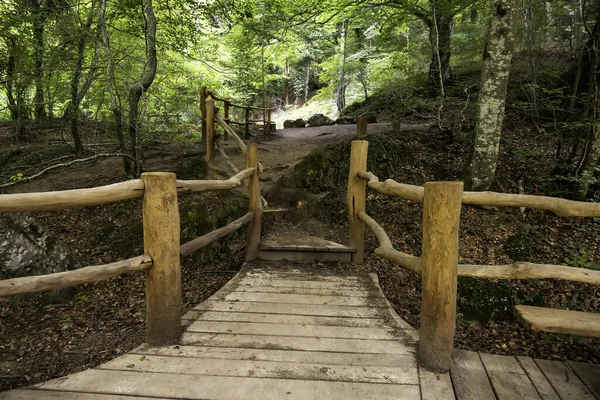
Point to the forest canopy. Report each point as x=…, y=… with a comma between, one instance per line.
x=137, y=66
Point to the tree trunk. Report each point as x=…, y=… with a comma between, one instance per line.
x=73, y=109
x=286, y=83
x=115, y=100
x=340, y=92
x=440, y=35
x=38, y=38
x=137, y=90
x=306, y=83
x=497, y=59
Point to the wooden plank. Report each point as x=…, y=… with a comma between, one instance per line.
x=304, y=277
x=508, y=379
x=291, y=356
x=287, y=255
x=313, y=291
x=435, y=386
x=560, y=321
x=295, y=343
x=469, y=378
x=564, y=381
x=589, y=374
x=252, y=328
x=290, y=283
x=221, y=387
x=291, y=309
x=32, y=394
x=304, y=299
x=538, y=379
x=403, y=375
x=282, y=319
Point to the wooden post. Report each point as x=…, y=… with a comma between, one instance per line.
x=226, y=118
x=361, y=125
x=268, y=123
x=441, y=219
x=255, y=204
x=356, y=197
x=210, y=128
x=161, y=242
x=203, y=111
x=247, y=122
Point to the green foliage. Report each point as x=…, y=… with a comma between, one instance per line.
x=17, y=178
x=583, y=259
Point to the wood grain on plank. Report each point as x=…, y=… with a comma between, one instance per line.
x=290, y=309
x=564, y=381
x=469, y=377
x=222, y=387
x=508, y=379
x=435, y=386
x=560, y=321
x=589, y=375
x=537, y=378
x=282, y=319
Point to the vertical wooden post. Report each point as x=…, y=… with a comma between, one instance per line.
x=161, y=242
x=268, y=123
x=255, y=204
x=210, y=128
x=247, y=122
x=441, y=219
x=356, y=197
x=203, y=111
x=226, y=118
x=361, y=125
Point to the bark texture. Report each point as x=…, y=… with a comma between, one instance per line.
x=138, y=88
x=497, y=59
x=340, y=93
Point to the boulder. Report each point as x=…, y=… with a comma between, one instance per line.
x=320, y=120
x=345, y=121
x=299, y=123
x=288, y=123
x=27, y=249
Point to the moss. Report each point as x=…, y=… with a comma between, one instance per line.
x=191, y=168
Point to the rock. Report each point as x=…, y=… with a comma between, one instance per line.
x=320, y=120
x=345, y=121
x=27, y=249
x=299, y=123
x=288, y=123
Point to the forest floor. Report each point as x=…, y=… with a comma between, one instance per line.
x=40, y=341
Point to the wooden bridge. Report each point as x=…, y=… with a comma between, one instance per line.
x=283, y=330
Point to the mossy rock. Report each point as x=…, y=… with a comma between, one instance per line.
x=192, y=168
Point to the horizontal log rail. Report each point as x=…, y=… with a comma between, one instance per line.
x=209, y=185
x=386, y=249
x=205, y=240
x=61, y=280
x=560, y=207
x=231, y=104
x=517, y=270
x=44, y=201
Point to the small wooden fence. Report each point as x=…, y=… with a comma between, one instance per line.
x=162, y=249
x=210, y=116
x=439, y=266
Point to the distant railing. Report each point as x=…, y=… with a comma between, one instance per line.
x=162, y=249
x=207, y=107
x=438, y=264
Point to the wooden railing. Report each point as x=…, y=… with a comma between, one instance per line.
x=209, y=111
x=162, y=249
x=438, y=264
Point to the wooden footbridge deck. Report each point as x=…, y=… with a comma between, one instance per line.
x=307, y=333
x=283, y=331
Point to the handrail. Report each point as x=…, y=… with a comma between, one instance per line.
x=184, y=186
x=236, y=138
x=60, y=280
x=215, y=97
x=386, y=249
x=44, y=201
x=205, y=240
x=560, y=207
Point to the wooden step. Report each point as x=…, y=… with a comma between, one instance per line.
x=560, y=321
x=286, y=252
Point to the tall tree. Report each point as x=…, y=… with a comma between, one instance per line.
x=39, y=23
x=143, y=84
x=497, y=59
x=340, y=92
